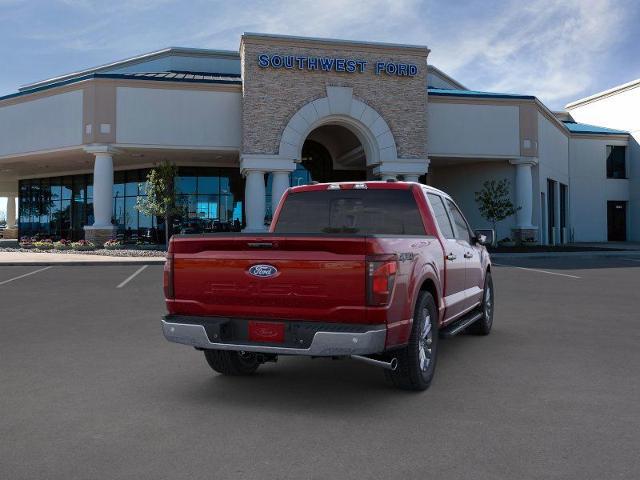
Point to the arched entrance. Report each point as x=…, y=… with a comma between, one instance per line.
x=332, y=153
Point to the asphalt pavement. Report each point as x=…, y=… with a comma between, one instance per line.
x=89, y=388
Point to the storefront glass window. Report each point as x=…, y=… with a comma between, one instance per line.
x=59, y=207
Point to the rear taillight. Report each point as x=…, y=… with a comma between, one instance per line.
x=168, y=277
x=381, y=276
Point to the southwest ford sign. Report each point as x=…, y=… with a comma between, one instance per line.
x=335, y=64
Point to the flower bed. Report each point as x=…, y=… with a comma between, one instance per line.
x=113, y=245
x=26, y=242
x=43, y=244
x=83, y=245
x=62, y=245
x=112, y=248
x=101, y=252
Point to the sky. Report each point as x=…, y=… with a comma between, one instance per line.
x=557, y=50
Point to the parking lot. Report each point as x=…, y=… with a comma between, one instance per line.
x=89, y=388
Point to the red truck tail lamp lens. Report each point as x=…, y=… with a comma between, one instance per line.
x=381, y=276
x=167, y=277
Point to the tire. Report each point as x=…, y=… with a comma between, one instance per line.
x=417, y=361
x=232, y=363
x=483, y=326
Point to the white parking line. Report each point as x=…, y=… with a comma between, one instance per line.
x=25, y=275
x=536, y=270
x=132, y=276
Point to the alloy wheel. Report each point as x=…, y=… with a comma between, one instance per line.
x=426, y=342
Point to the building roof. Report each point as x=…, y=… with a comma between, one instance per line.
x=134, y=60
x=604, y=93
x=176, y=75
x=436, y=71
x=474, y=93
x=171, y=76
x=561, y=118
x=585, y=128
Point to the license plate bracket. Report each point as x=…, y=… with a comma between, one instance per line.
x=266, y=332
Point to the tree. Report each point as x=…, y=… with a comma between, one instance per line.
x=160, y=199
x=494, y=201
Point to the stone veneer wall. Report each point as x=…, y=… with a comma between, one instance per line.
x=272, y=96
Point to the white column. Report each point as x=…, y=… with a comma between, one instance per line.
x=411, y=178
x=279, y=185
x=524, y=193
x=103, y=189
x=11, y=212
x=254, y=200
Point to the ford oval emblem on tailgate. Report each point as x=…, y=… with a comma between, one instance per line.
x=263, y=271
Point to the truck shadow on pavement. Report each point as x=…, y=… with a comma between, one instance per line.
x=318, y=386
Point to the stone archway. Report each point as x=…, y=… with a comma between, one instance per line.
x=339, y=107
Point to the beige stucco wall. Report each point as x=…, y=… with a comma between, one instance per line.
x=45, y=123
x=460, y=129
x=178, y=117
x=272, y=96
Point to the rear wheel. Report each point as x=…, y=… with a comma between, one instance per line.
x=232, y=363
x=417, y=361
x=483, y=326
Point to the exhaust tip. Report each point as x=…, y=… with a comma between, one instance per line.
x=393, y=364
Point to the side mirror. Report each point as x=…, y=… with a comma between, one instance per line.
x=485, y=237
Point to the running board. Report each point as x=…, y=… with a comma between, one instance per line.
x=459, y=325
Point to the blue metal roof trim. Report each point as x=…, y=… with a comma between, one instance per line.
x=444, y=92
x=226, y=79
x=585, y=128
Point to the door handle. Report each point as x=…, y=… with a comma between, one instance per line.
x=451, y=257
x=468, y=255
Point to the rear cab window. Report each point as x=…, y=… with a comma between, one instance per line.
x=462, y=229
x=366, y=212
x=441, y=216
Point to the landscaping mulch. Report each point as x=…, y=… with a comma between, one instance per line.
x=102, y=252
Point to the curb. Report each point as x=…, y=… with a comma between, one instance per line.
x=88, y=263
x=617, y=253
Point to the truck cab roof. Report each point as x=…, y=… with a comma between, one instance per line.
x=369, y=184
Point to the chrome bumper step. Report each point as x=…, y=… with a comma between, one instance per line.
x=324, y=344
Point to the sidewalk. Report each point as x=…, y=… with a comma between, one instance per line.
x=35, y=259
x=616, y=245
x=634, y=254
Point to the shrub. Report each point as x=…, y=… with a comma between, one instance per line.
x=62, y=245
x=113, y=244
x=46, y=244
x=83, y=245
x=26, y=242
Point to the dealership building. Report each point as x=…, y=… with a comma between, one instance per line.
x=244, y=126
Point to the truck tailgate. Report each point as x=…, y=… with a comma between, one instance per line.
x=315, y=278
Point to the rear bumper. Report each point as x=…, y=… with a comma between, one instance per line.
x=361, y=340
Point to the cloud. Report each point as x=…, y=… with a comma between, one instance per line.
x=557, y=50
x=547, y=48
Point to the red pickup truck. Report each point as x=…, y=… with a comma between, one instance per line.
x=374, y=271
